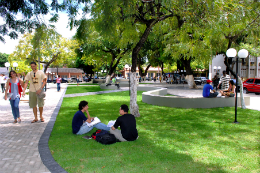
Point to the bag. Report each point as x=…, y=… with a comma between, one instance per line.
x=9, y=95
x=106, y=139
x=94, y=134
x=41, y=95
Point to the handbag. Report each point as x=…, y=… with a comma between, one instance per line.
x=42, y=94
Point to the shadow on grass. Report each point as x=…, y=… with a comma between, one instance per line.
x=170, y=139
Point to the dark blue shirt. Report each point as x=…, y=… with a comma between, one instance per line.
x=77, y=121
x=206, y=90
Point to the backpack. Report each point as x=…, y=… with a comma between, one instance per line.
x=98, y=133
x=95, y=133
x=106, y=139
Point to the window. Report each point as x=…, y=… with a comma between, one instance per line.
x=257, y=81
x=252, y=63
x=250, y=81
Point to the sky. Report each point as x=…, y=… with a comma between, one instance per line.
x=61, y=27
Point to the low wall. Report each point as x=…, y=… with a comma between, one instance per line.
x=155, y=96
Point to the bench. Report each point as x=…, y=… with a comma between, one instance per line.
x=156, y=96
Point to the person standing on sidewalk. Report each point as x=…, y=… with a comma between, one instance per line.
x=37, y=82
x=2, y=82
x=14, y=86
x=58, y=81
x=224, y=81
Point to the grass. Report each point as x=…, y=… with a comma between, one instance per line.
x=83, y=84
x=83, y=89
x=170, y=139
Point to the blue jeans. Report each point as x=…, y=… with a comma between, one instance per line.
x=58, y=86
x=15, y=107
x=85, y=128
x=212, y=95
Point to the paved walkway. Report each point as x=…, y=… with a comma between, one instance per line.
x=19, y=142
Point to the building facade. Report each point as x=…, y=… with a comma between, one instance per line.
x=247, y=68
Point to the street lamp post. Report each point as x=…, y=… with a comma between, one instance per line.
x=231, y=53
x=127, y=66
x=7, y=65
x=15, y=64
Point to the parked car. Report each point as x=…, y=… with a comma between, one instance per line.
x=252, y=85
x=49, y=81
x=204, y=79
x=120, y=78
x=74, y=79
x=86, y=79
x=198, y=80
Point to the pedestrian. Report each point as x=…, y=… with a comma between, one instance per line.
x=58, y=81
x=37, y=80
x=224, y=81
x=14, y=86
x=2, y=82
x=77, y=80
x=160, y=78
x=127, y=125
x=215, y=82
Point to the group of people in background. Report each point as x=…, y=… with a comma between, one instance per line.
x=227, y=86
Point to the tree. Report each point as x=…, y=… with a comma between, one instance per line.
x=47, y=46
x=100, y=49
x=31, y=11
x=3, y=59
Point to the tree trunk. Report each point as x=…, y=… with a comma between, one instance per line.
x=189, y=74
x=243, y=105
x=108, y=78
x=134, y=108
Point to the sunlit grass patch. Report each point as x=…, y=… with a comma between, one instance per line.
x=83, y=89
x=170, y=139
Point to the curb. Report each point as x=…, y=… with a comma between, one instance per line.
x=43, y=146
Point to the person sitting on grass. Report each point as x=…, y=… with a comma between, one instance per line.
x=206, y=90
x=127, y=125
x=79, y=126
x=231, y=90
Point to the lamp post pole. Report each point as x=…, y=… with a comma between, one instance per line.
x=243, y=53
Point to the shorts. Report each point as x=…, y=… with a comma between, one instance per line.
x=34, y=100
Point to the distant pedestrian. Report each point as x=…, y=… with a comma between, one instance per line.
x=37, y=80
x=14, y=87
x=2, y=82
x=58, y=81
x=224, y=81
x=215, y=82
x=206, y=90
x=160, y=78
x=77, y=80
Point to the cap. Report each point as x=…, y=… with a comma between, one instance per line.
x=208, y=81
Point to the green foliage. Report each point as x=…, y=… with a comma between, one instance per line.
x=3, y=59
x=170, y=139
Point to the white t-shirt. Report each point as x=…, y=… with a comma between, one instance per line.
x=35, y=79
x=3, y=79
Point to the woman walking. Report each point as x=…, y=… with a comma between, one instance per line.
x=58, y=81
x=14, y=87
x=77, y=80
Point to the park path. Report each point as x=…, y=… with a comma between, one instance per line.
x=19, y=143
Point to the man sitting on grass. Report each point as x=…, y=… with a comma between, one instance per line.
x=127, y=125
x=206, y=90
x=79, y=126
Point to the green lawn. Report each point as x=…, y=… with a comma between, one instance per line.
x=83, y=84
x=83, y=89
x=170, y=139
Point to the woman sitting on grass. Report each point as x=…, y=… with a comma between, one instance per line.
x=231, y=90
x=79, y=126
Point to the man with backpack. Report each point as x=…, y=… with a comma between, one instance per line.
x=127, y=125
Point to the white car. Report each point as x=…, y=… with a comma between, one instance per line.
x=120, y=78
